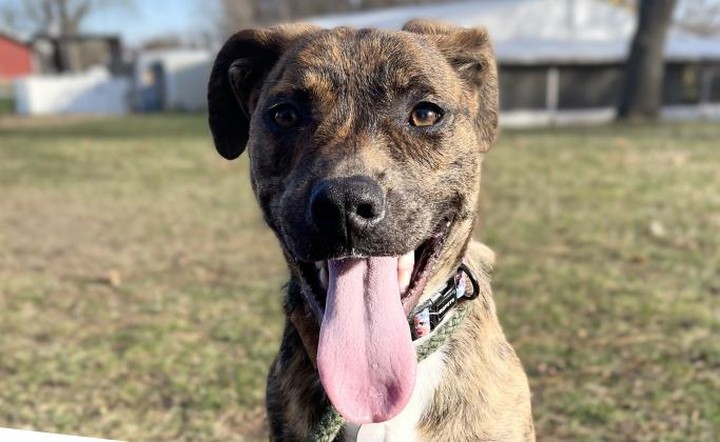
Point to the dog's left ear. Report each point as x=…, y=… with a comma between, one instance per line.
x=469, y=52
x=236, y=79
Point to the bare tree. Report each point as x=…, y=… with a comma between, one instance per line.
x=642, y=93
x=54, y=17
x=701, y=17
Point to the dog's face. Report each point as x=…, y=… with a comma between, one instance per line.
x=365, y=150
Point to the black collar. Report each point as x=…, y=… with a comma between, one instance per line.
x=426, y=317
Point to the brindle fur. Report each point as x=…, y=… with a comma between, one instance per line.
x=355, y=90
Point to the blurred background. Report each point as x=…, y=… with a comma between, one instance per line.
x=140, y=290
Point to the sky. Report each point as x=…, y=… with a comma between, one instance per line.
x=150, y=18
x=145, y=19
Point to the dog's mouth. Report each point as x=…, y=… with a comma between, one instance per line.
x=413, y=271
x=366, y=359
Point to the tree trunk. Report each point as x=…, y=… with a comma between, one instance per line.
x=642, y=94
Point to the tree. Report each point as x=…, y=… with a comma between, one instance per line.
x=700, y=17
x=59, y=22
x=58, y=18
x=642, y=93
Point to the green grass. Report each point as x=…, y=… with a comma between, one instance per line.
x=140, y=290
x=7, y=105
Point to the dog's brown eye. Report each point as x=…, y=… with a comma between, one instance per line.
x=285, y=116
x=425, y=114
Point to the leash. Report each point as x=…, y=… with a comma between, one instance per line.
x=427, y=317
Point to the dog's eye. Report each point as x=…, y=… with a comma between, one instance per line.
x=284, y=115
x=425, y=114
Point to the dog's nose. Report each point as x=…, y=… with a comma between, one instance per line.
x=354, y=203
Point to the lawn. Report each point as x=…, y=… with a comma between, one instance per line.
x=7, y=105
x=140, y=290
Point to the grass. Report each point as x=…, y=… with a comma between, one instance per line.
x=7, y=105
x=140, y=290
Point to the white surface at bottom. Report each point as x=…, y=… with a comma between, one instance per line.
x=9, y=435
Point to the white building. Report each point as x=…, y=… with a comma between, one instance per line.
x=563, y=61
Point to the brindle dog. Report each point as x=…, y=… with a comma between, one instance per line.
x=365, y=149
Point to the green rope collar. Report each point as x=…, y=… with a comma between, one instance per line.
x=329, y=426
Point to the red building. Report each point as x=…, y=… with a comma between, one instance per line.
x=16, y=58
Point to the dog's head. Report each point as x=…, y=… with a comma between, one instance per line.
x=365, y=149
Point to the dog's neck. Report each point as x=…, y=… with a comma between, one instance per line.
x=331, y=422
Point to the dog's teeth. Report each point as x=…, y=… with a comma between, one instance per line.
x=407, y=261
x=404, y=270
x=323, y=276
x=404, y=280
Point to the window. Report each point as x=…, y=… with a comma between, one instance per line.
x=523, y=87
x=590, y=87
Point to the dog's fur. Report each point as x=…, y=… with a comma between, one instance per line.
x=353, y=90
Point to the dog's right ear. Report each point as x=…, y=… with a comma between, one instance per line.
x=236, y=80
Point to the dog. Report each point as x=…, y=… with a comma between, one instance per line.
x=365, y=150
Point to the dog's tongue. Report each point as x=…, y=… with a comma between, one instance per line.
x=365, y=357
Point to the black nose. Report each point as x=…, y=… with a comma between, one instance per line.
x=350, y=204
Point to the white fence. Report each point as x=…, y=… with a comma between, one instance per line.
x=93, y=92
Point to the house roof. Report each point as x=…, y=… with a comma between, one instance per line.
x=5, y=35
x=536, y=31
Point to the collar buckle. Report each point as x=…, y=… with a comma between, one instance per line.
x=432, y=312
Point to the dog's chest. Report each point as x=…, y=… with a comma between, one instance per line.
x=403, y=426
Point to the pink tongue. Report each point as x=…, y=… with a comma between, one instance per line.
x=365, y=357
